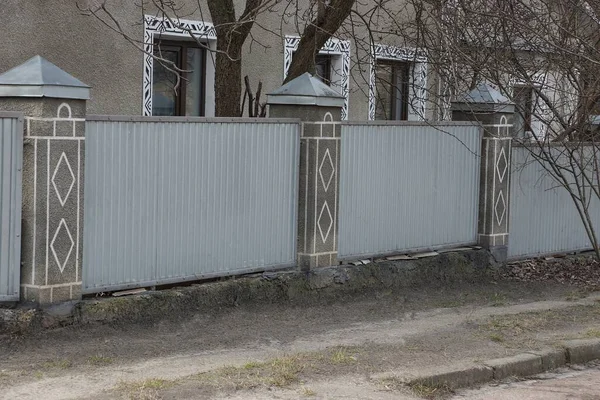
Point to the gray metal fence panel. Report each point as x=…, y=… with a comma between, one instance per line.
x=543, y=218
x=11, y=163
x=173, y=201
x=408, y=187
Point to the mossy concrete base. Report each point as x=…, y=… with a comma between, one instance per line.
x=287, y=287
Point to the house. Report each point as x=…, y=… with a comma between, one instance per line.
x=388, y=81
x=406, y=65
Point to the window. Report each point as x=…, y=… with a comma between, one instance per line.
x=392, y=81
x=188, y=98
x=323, y=68
x=337, y=52
x=523, y=99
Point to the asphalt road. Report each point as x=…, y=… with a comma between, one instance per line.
x=562, y=385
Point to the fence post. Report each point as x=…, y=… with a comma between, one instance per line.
x=495, y=112
x=54, y=104
x=319, y=107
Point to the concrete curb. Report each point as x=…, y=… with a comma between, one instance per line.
x=283, y=287
x=521, y=365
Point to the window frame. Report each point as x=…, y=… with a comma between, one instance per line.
x=529, y=104
x=394, y=87
x=418, y=78
x=182, y=47
x=403, y=87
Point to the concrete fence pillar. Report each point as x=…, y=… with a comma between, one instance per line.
x=495, y=112
x=54, y=104
x=319, y=107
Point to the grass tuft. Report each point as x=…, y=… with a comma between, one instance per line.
x=99, y=360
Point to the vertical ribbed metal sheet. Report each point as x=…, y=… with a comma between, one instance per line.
x=408, y=187
x=172, y=201
x=11, y=164
x=543, y=217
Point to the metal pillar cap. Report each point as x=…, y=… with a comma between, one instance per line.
x=38, y=77
x=306, y=90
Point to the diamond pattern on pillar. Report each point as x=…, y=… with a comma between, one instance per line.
x=501, y=165
x=326, y=170
x=500, y=208
x=62, y=238
x=325, y=220
x=66, y=179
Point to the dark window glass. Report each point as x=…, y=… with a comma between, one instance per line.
x=392, y=80
x=187, y=99
x=523, y=99
x=323, y=68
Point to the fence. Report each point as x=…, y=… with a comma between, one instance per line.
x=187, y=199
x=543, y=217
x=408, y=187
x=11, y=159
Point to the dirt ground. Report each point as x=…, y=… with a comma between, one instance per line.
x=362, y=349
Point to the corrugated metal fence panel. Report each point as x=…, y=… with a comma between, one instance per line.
x=11, y=163
x=408, y=187
x=171, y=201
x=543, y=217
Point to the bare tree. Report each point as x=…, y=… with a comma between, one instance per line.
x=541, y=54
x=318, y=19
x=329, y=17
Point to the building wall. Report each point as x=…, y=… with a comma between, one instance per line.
x=92, y=52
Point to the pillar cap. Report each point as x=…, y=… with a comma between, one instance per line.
x=38, y=77
x=306, y=90
x=484, y=98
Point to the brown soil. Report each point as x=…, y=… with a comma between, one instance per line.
x=334, y=350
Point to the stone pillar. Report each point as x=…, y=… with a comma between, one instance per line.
x=319, y=107
x=54, y=104
x=495, y=112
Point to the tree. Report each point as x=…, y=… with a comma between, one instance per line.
x=321, y=20
x=544, y=56
x=329, y=17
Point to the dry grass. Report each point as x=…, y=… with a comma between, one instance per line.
x=306, y=392
x=148, y=389
x=99, y=360
x=516, y=330
x=496, y=337
x=57, y=364
x=593, y=333
x=429, y=392
x=419, y=389
x=498, y=300
x=281, y=372
x=342, y=355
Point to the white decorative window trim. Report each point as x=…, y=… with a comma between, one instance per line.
x=541, y=113
x=154, y=26
x=340, y=64
x=418, y=78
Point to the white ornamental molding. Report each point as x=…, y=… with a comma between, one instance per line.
x=340, y=64
x=177, y=28
x=418, y=78
x=62, y=230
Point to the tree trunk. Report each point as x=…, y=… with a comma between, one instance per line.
x=231, y=35
x=228, y=80
x=328, y=21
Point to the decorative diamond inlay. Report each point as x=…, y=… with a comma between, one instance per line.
x=501, y=165
x=66, y=179
x=500, y=208
x=326, y=170
x=62, y=239
x=325, y=219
